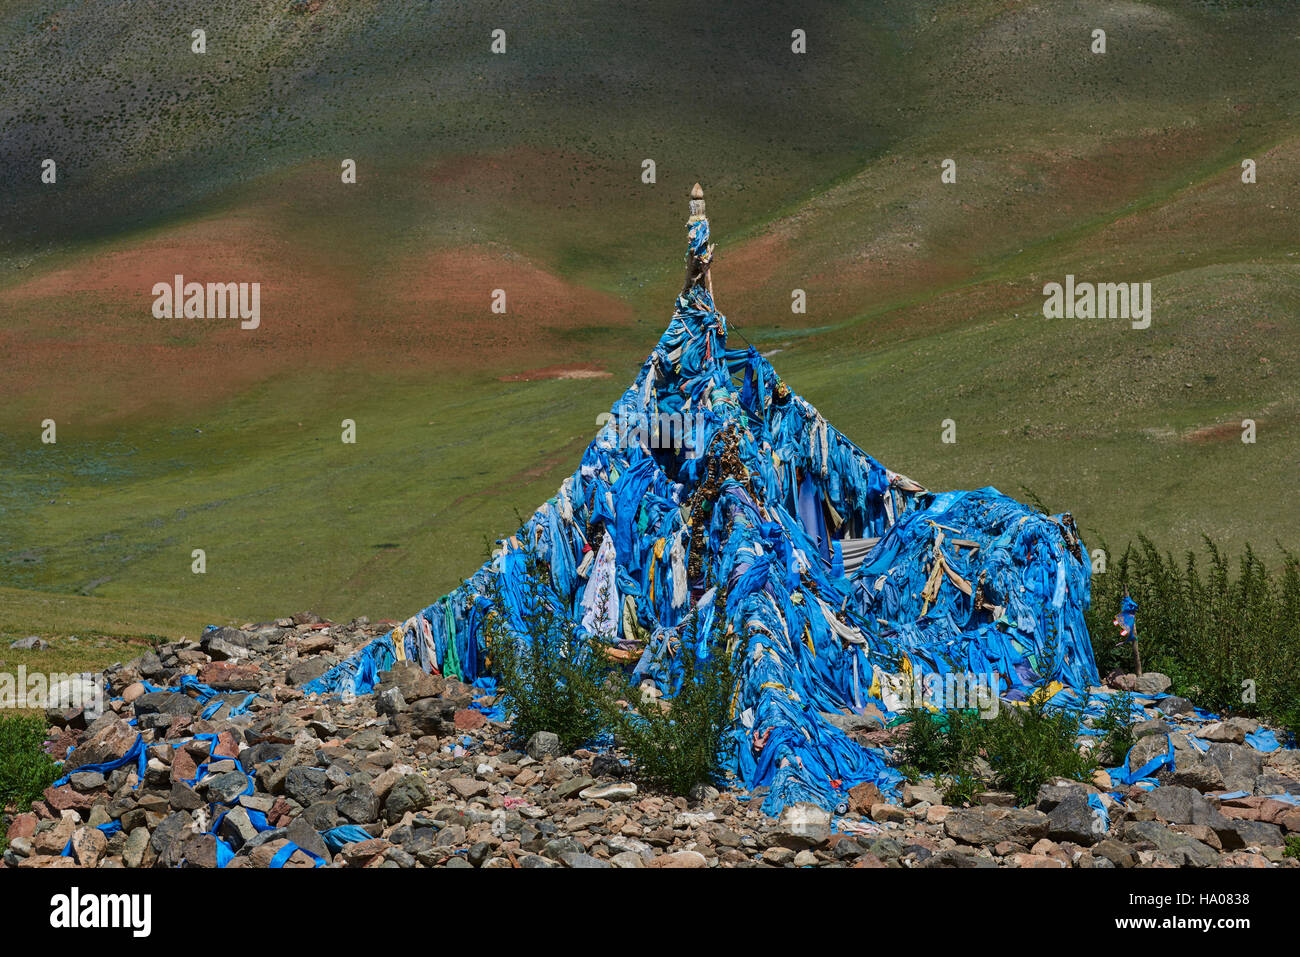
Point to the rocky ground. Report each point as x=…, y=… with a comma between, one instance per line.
x=432, y=783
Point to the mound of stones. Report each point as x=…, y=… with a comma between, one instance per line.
x=421, y=778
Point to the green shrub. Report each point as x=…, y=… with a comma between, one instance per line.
x=677, y=744
x=25, y=769
x=942, y=743
x=1116, y=725
x=552, y=680
x=1029, y=745
x=1018, y=750
x=1218, y=636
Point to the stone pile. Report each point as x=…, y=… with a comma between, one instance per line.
x=424, y=779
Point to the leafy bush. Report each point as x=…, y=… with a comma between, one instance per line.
x=1029, y=745
x=1017, y=750
x=25, y=768
x=945, y=744
x=677, y=744
x=1217, y=636
x=550, y=680
x=1116, y=725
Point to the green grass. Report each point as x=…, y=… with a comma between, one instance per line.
x=821, y=173
x=25, y=769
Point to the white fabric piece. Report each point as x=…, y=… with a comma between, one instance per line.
x=600, y=599
x=677, y=559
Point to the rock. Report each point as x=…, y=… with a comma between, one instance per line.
x=1226, y=732
x=607, y=766
x=66, y=798
x=1183, y=849
x=306, y=670
x=31, y=643
x=627, y=859
x=306, y=785
x=700, y=793
x=543, y=743
x=779, y=856
x=1199, y=773
x=391, y=701
x=1075, y=820
x=1174, y=705
x=623, y=791
x=1145, y=749
x=137, y=845
x=580, y=860
x=1256, y=833
x=679, y=859
x=912, y=794
x=467, y=719
x=363, y=853
x=236, y=828
x=1121, y=855
x=989, y=825
x=110, y=741
x=359, y=804
x=222, y=644
x=1051, y=795
x=228, y=676
x=86, y=780
x=885, y=813
x=410, y=793
x=315, y=644
x=1153, y=682
x=22, y=825
x=1239, y=765
x=959, y=857
x=88, y=846
x=165, y=702
x=168, y=838
x=573, y=786
x=802, y=826
x=306, y=837
x=1037, y=860
x=225, y=788
x=184, y=798
x=1174, y=804
x=412, y=681
x=862, y=797
x=469, y=788
x=937, y=813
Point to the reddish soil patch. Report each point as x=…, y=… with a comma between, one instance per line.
x=1223, y=432
x=83, y=336
x=447, y=296
x=87, y=331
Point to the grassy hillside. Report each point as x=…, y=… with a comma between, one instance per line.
x=523, y=172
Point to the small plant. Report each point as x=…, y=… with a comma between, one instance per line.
x=1116, y=726
x=1018, y=750
x=1028, y=746
x=548, y=677
x=947, y=745
x=1292, y=846
x=26, y=770
x=1228, y=642
x=677, y=744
